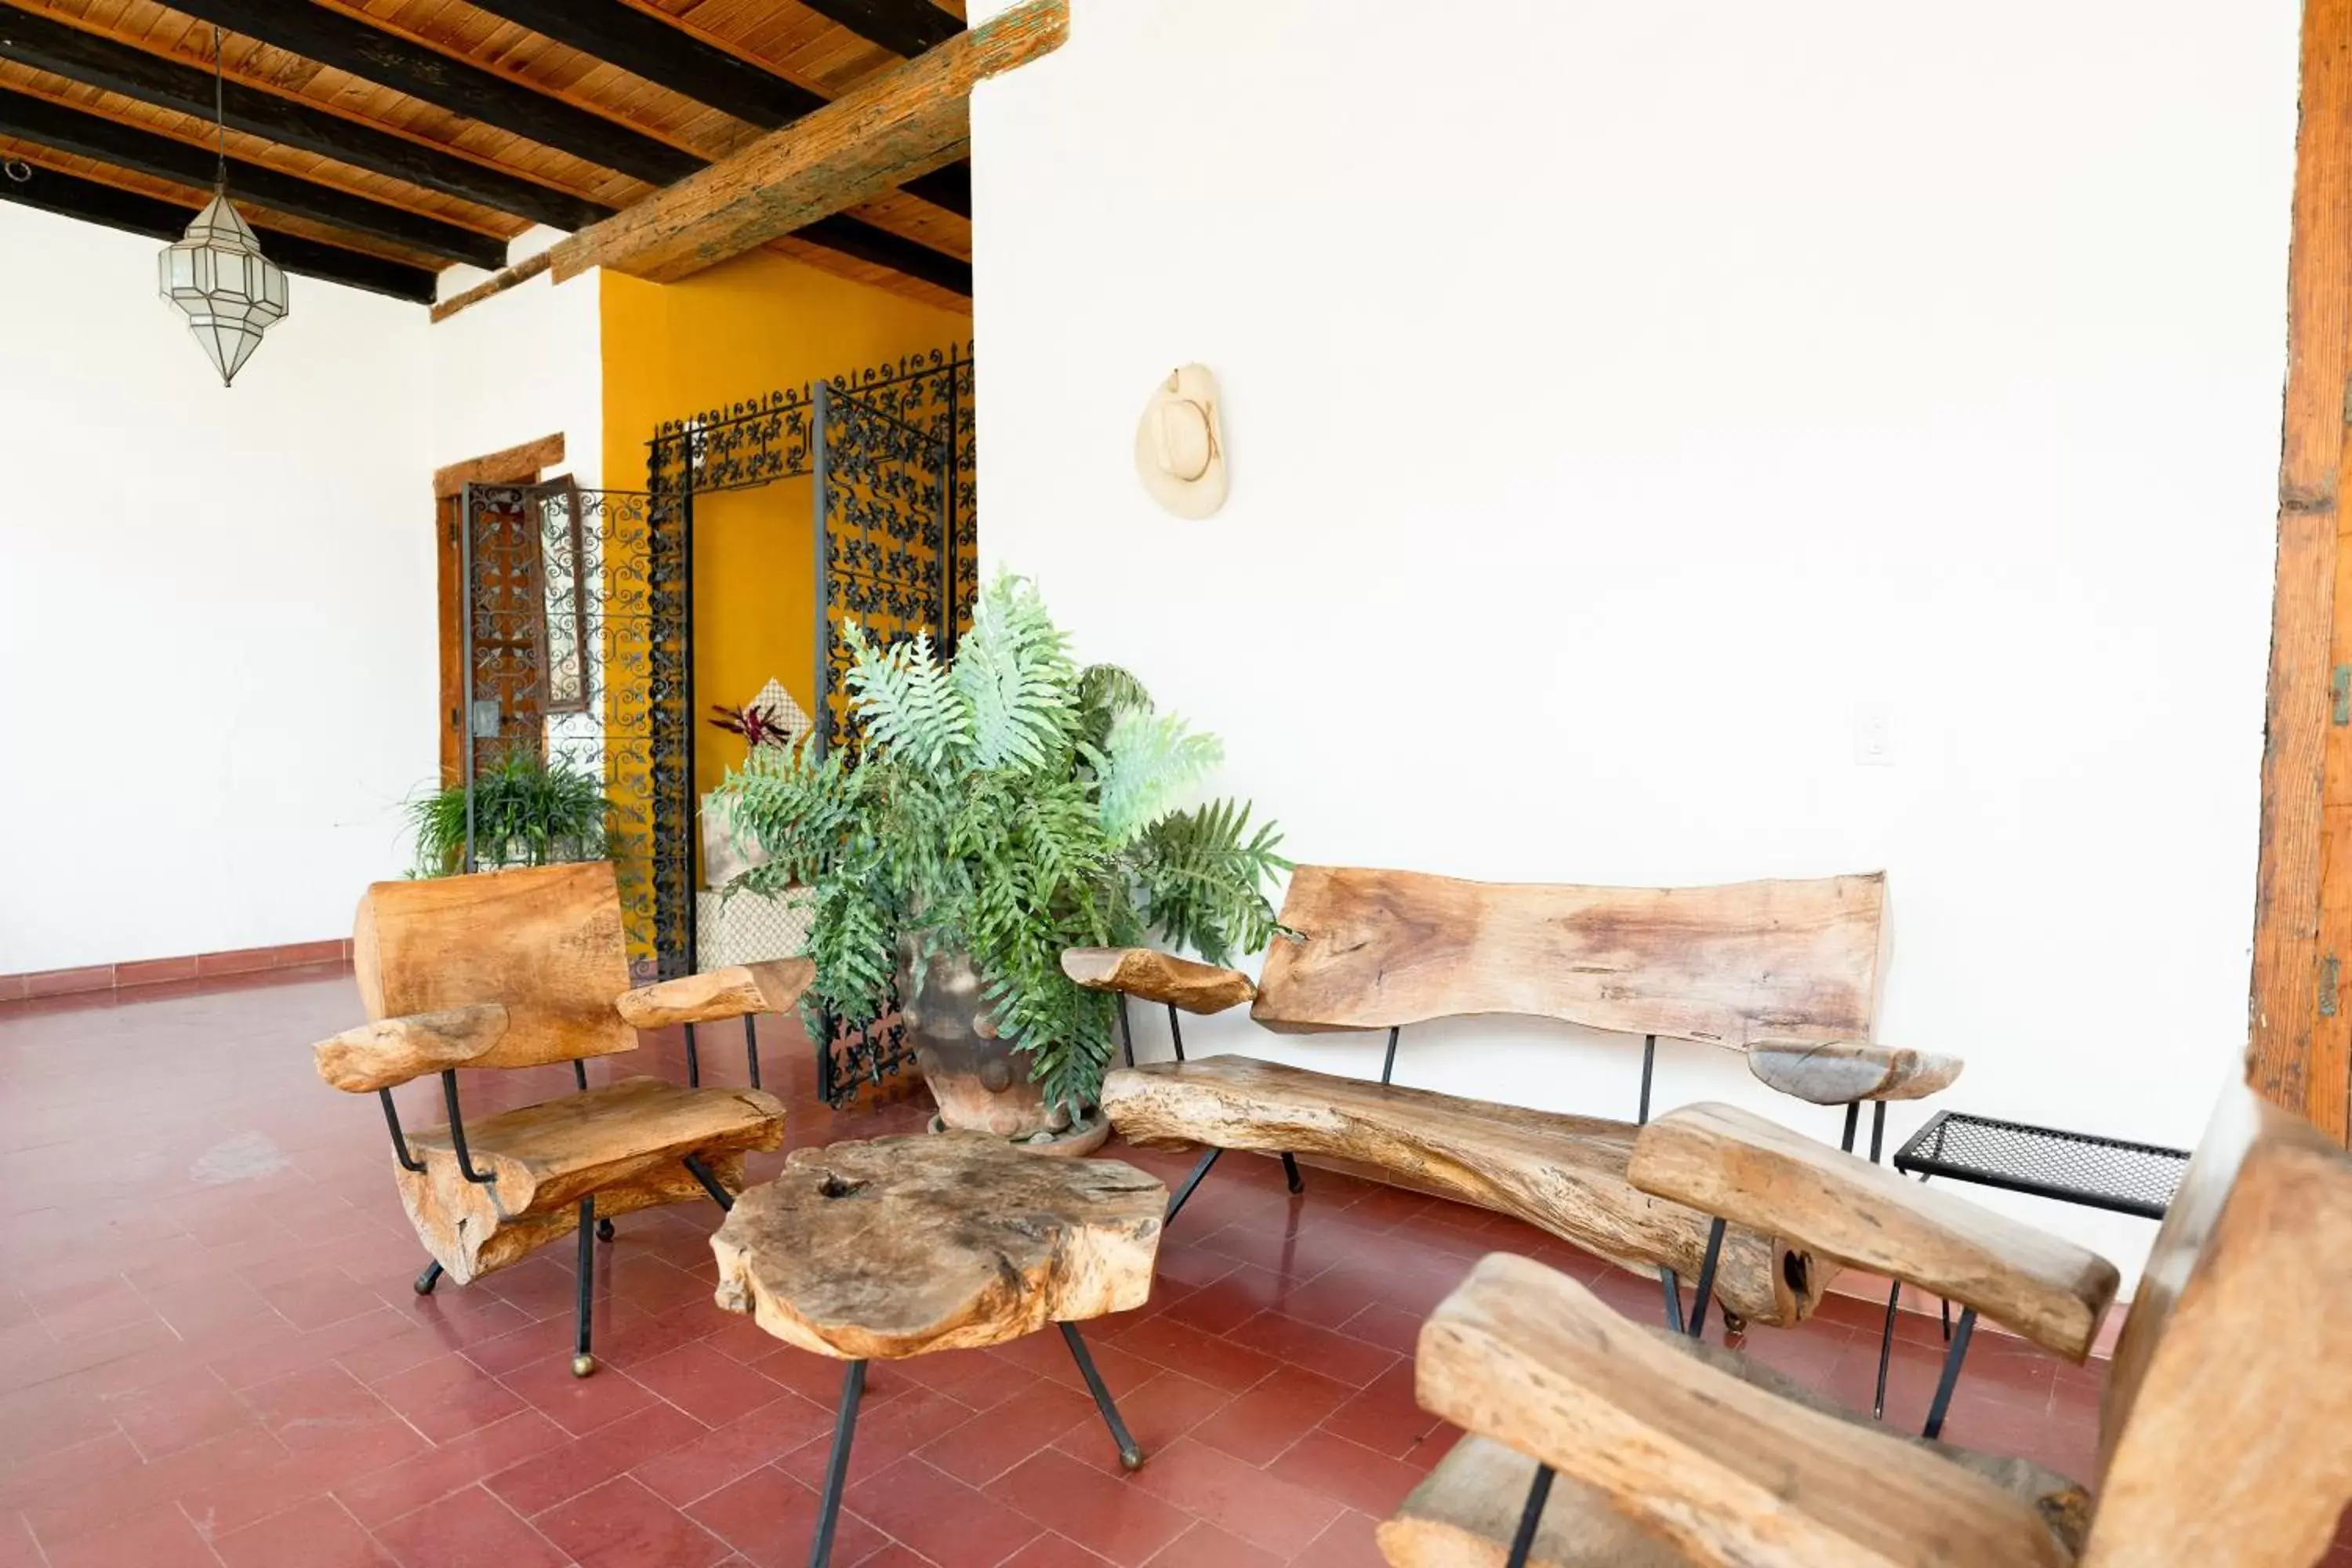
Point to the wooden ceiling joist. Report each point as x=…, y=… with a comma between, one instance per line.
x=686, y=64
x=102, y=62
x=903, y=26
x=110, y=141
x=71, y=195
x=904, y=122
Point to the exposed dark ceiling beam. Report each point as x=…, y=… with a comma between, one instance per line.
x=66, y=130
x=71, y=195
x=671, y=56
x=95, y=60
x=390, y=60
x=904, y=26
x=879, y=246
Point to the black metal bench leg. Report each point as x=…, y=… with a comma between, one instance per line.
x=1951, y=1377
x=1523, y=1539
x=752, y=1048
x=604, y=1230
x=710, y=1184
x=1126, y=1031
x=1129, y=1455
x=583, y=1364
x=1885, y=1352
x=1674, y=1289
x=429, y=1278
x=1706, y=1279
x=836, y=1468
x=1290, y=1174
x=693, y=1061
x=1191, y=1182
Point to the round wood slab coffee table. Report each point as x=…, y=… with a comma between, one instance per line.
x=897, y=1247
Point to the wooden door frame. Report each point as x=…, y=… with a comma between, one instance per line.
x=519, y=465
x=2299, y=1045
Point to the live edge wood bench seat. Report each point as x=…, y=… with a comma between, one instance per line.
x=1785, y=972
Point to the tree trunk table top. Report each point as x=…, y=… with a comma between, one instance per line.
x=897, y=1247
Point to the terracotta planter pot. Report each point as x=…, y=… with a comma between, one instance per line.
x=981, y=1083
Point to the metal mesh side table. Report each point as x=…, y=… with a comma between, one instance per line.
x=2079, y=1168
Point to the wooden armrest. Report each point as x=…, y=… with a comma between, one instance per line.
x=388, y=1053
x=1843, y=1071
x=773, y=986
x=1728, y=1472
x=1158, y=977
x=1727, y=1162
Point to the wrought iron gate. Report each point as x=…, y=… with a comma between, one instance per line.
x=574, y=642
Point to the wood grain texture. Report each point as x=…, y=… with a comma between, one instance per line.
x=1726, y=1472
x=545, y=941
x=1843, y=1071
x=2303, y=609
x=1778, y=960
x=773, y=986
x=896, y=125
x=517, y=465
x=2224, y=1417
x=1720, y=1160
x=1566, y=1175
x=1156, y=977
x=624, y=1142
x=388, y=1052
x=897, y=1247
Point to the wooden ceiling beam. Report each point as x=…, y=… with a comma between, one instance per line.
x=666, y=54
x=95, y=60
x=94, y=136
x=909, y=120
x=71, y=195
x=371, y=54
x=903, y=26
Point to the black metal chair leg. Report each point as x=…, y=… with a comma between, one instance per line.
x=693, y=1061
x=1175, y=1032
x=580, y=1073
x=1129, y=1455
x=1126, y=1031
x=1191, y=1182
x=1674, y=1288
x=1877, y=1129
x=1951, y=1377
x=604, y=1230
x=836, y=1468
x=752, y=1048
x=1706, y=1279
x=1853, y=1121
x=583, y=1364
x=1523, y=1539
x=710, y=1184
x=429, y=1278
x=1885, y=1352
x=1946, y=1308
x=1290, y=1174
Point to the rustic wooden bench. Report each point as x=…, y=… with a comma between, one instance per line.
x=1593, y=1442
x=1785, y=972
x=529, y=968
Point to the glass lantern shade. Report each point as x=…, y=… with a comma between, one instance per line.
x=230, y=293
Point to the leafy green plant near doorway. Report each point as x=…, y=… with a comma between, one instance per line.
x=526, y=812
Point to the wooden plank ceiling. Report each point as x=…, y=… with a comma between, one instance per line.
x=376, y=142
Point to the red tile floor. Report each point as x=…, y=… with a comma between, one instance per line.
x=212, y=1354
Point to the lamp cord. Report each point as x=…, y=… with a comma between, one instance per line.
x=220, y=113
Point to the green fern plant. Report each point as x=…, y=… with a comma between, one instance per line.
x=1008, y=804
x=526, y=812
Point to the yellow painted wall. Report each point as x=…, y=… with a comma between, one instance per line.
x=757, y=324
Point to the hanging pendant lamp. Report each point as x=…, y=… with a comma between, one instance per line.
x=215, y=273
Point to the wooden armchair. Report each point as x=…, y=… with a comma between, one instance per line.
x=527, y=968
x=1594, y=1441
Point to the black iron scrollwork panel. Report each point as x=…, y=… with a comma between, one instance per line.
x=574, y=642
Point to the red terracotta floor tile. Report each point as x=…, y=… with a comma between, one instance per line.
x=1104, y=1512
x=320, y=1533
x=1206, y=1546
x=770, y=1519
x=156, y=1538
x=706, y=1383
x=938, y=1516
x=622, y=1524
x=573, y=1465
x=1052, y=1551
x=19, y=1550
x=1345, y=1472
x=467, y=1529
x=1348, y=1544
x=724, y=1455
x=579, y=1403
x=1205, y=1358
x=464, y=1461
x=1269, y=1417
x=1383, y=1416
x=449, y=1397
x=1299, y=1343
x=1258, y=1505
x=1001, y=1437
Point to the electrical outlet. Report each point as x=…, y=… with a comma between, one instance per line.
x=1874, y=741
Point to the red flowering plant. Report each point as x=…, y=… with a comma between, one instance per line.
x=759, y=726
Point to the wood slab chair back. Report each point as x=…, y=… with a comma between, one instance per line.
x=2221, y=1430
x=529, y=968
x=1785, y=972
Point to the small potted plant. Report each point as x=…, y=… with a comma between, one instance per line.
x=998, y=809
x=527, y=811
x=725, y=855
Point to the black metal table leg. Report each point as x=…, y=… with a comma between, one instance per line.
x=604, y=1230
x=1877, y=1129
x=1706, y=1279
x=752, y=1048
x=1885, y=1352
x=845, y=1427
x=1853, y=1121
x=1191, y=1182
x=429, y=1278
x=1674, y=1289
x=1523, y=1539
x=1951, y=1377
x=693, y=1061
x=1126, y=1031
x=583, y=1364
x=1290, y=1174
x=710, y=1183
x=1129, y=1455
x=1175, y=1032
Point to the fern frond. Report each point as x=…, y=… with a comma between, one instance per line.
x=1014, y=672
x=1149, y=761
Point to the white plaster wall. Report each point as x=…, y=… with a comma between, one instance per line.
x=1623, y=401
x=520, y=365
x=217, y=609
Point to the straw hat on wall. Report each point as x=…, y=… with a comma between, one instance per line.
x=1180, y=444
